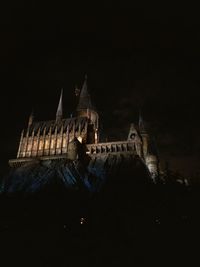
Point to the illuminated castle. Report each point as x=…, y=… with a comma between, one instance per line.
x=62, y=138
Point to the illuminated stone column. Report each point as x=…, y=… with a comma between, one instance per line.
x=145, y=142
x=67, y=136
x=61, y=136
x=55, y=138
x=97, y=129
x=85, y=131
x=152, y=164
x=73, y=130
x=26, y=146
x=44, y=139
x=96, y=136
x=38, y=142
x=79, y=132
x=20, y=144
x=32, y=141
x=50, y=134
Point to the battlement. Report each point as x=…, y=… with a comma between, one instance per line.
x=91, y=149
x=111, y=147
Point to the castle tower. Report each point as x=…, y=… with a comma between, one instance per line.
x=134, y=137
x=144, y=135
x=30, y=120
x=59, y=112
x=148, y=153
x=85, y=108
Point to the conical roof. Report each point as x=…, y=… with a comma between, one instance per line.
x=59, y=112
x=84, y=98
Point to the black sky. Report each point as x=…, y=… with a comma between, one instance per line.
x=134, y=57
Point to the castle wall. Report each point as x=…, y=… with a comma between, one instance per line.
x=48, y=144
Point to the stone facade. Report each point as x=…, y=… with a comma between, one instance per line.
x=52, y=138
x=60, y=138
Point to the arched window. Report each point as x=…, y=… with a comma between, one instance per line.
x=58, y=145
x=52, y=142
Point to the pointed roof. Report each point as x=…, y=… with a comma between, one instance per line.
x=132, y=132
x=62, y=124
x=141, y=123
x=31, y=118
x=59, y=112
x=84, y=98
x=32, y=113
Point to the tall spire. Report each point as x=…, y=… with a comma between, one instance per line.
x=84, y=98
x=31, y=118
x=59, y=112
x=141, y=123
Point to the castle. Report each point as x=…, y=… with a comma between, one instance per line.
x=61, y=138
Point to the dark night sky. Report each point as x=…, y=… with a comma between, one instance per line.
x=134, y=57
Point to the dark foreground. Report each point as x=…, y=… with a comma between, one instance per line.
x=134, y=226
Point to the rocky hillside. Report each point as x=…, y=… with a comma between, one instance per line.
x=89, y=174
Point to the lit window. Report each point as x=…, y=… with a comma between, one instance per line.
x=35, y=144
x=52, y=143
x=64, y=142
x=46, y=144
x=41, y=144
x=58, y=145
x=29, y=146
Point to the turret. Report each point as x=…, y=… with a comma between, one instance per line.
x=85, y=108
x=144, y=135
x=30, y=120
x=149, y=154
x=134, y=137
x=59, y=112
x=152, y=165
x=75, y=149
